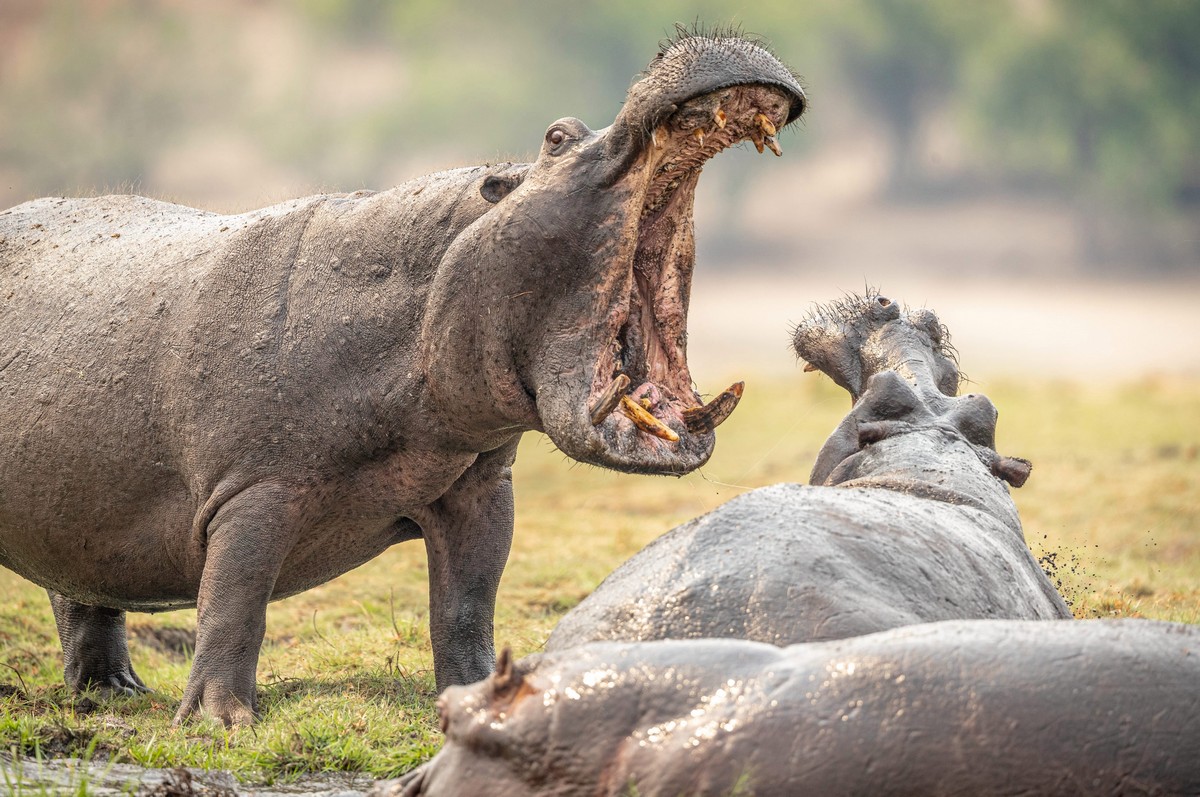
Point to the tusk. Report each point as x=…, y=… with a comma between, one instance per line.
x=699, y=134
x=719, y=117
x=757, y=138
x=766, y=124
x=774, y=145
x=707, y=418
x=809, y=368
x=645, y=421
x=607, y=401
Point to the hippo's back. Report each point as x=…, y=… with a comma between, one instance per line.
x=789, y=563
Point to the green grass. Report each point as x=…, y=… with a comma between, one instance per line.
x=346, y=673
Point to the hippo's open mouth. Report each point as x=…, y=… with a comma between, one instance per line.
x=642, y=392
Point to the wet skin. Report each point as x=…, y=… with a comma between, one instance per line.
x=976, y=707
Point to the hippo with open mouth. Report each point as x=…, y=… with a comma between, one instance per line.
x=222, y=410
x=908, y=518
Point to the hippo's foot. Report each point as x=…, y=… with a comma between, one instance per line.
x=217, y=700
x=407, y=785
x=126, y=683
x=95, y=650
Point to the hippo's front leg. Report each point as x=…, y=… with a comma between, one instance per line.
x=247, y=541
x=95, y=647
x=468, y=532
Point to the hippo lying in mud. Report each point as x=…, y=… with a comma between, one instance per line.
x=220, y=411
x=910, y=520
x=970, y=707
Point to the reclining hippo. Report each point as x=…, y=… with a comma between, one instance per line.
x=962, y=707
x=909, y=522
x=220, y=411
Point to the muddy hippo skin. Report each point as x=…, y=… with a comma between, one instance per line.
x=219, y=411
x=962, y=707
x=910, y=521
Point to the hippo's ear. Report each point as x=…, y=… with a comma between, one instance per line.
x=1013, y=470
x=497, y=186
x=505, y=680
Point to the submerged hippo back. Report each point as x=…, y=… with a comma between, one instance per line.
x=955, y=708
x=789, y=563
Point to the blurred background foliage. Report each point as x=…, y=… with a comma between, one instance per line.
x=1088, y=105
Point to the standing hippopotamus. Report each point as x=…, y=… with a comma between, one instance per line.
x=963, y=707
x=220, y=411
x=909, y=520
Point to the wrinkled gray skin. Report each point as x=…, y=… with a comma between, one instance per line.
x=219, y=411
x=909, y=521
x=963, y=707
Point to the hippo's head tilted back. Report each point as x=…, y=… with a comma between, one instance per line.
x=579, y=274
x=903, y=377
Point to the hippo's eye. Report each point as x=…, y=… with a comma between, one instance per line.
x=556, y=137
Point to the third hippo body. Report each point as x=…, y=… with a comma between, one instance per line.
x=909, y=519
x=963, y=707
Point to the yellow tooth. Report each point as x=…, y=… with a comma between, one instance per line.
x=766, y=124
x=809, y=368
x=758, y=145
x=643, y=420
x=719, y=116
x=774, y=145
x=699, y=134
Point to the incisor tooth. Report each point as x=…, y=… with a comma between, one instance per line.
x=766, y=124
x=645, y=421
x=719, y=116
x=607, y=401
x=707, y=418
x=699, y=134
x=774, y=145
x=809, y=368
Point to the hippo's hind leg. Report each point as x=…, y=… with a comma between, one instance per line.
x=95, y=647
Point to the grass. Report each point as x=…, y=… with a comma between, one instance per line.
x=345, y=675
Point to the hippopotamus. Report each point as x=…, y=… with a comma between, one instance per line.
x=222, y=410
x=908, y=518
x=958, y=707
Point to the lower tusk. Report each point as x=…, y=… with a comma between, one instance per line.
x=774, y=145
x=766, y=124
x=704, y=419
x=643, y=420
x=607, y=401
